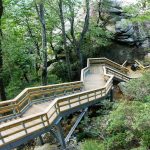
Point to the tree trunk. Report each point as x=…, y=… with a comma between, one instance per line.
x=40, y=12
x=64, y=38
x=2, y=89
x=78, y=43
x=84, y=31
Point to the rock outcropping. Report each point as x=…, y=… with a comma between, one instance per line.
x=130, y=33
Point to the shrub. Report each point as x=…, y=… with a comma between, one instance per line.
x=92, y=145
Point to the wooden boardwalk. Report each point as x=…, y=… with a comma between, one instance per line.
x=36, y=109
x=93, y=80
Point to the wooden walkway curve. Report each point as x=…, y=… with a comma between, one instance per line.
x=35, y=110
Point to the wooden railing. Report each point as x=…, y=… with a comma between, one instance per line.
x=117, y=74
x=141, y=66
x=36, y=94
x=33, y=123
x=110, y=63
x=14, y=130
x=124, y=63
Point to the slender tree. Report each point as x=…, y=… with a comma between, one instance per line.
x=2, y=90
x=40, y=12
x=64, y=37
x=77, y=43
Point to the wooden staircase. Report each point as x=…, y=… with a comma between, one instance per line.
x=36, y=110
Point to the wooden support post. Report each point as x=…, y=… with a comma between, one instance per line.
x=54, y=134
x=79, y=100
x=41, y=140
x=29, y=98
x=2, y=138
x=69, y=103
x=88, y=97
x=95, y=95
x=65, y=92
x=111, y=94
x=60, y=135
x=76, y=124
x=14, y=108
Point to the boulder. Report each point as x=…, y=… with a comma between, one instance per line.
x=128, y=32
x=116, y=11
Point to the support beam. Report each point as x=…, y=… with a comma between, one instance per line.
x=111, y=94
x=75, y=125
x=41, y=140
x=54, y=134
x=60, y=135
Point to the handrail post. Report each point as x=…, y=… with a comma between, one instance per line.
x=18, y=111
x=105, y=90
x=79, y=100
x=111, y=94
x=42, y=120
x=29, y=98
x=101, y=93
x=61, y=135
x=56, y=109
x=95, y=94
x=24, y=127
x=88, y=97
x=57, y=105
x=41, y=140
x=14, y=110
x=47, y=119
x=2, y=138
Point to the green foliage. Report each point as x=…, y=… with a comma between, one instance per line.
x=126, y=127
x=22, y=42
x=131, y=122
x=99, y=36
x=92, y=145
x=60, y=70
x=139, y=89
x=140, y=11
x=53, y=79
x=93, y=127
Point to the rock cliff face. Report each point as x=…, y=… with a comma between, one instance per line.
x=130, y=33
x=132, y=40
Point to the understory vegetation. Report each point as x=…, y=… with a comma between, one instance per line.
x=41, y=43
x=126, y=125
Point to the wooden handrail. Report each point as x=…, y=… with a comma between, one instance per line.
x=141, y=66
x=30, y=124
x=109, y=62
x=52, y=113
x=28, y=95
x=117, y=74
x=124, y=63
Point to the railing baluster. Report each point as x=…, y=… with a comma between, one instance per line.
x=1, y=138
x=56, y=109
x=101, y=93
x=105, y=90
x=88, y=97
x=24, y=128
x=69, y=103
x=29, y=99
x=14, y=110
x=79, y=100
x=42, y=121
x=47, y=119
